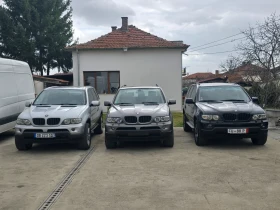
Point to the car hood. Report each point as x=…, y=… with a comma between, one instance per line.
x=229, y=107
x=139, y=109
x=54, y=111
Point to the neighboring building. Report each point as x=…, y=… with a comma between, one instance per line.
x=194, y=78
x=40, y=83
x=132, y=57
x=63, y=76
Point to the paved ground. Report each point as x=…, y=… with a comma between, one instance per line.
x=225, y=175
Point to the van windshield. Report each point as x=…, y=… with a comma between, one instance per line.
x=145, y=96
x=61, y=97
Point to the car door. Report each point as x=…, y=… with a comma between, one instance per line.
x=192, y=107
x=91, y=108
x=187, y=106
x=96, y=109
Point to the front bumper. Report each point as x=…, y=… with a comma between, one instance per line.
x=138, y=132
x=220, y=129
x=67, y=133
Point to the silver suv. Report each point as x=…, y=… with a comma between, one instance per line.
x=60, y=114
x=139, y=113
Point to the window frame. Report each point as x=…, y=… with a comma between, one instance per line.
x=108, y=80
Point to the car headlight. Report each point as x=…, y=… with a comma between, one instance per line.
x=259, y=116
x=162, y=119
x=23, y=122
x=72, y=121
x=210, y=117
x=114, y=120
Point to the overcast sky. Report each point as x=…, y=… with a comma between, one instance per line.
x=195, y=22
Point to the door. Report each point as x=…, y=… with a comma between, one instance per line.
x=9, y=109
x=192, y=107
x=187, y=106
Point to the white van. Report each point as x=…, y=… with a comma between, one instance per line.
x=16, y=88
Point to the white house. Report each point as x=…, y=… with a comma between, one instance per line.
x=132, y=57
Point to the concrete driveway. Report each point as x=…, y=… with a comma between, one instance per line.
x=225, y=175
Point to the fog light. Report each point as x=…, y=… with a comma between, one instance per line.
x=165, y=127
x=73, y=129
x=209, y=126
x=112, y=128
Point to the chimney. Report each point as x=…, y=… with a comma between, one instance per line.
x=124, y=23
x=114, y=28
x=217, y=72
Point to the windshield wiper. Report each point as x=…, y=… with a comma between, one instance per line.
x=215, y=101
x=41, y=104
x=234, y=100
x=150, y=103
x=124, y=104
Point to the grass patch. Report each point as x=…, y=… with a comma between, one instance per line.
x=177, y=119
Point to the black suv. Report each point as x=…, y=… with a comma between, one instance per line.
x=215, y=110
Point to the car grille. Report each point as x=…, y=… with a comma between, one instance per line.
x=39, y=121
x=145, y=119
x=244, y=117
x=130, y=119
x=53, y=121
x=237, y=117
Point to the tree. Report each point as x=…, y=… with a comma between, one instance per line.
x=37, y=32
x=262, y=47
x=230, y=64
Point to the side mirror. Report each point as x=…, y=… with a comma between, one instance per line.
x=27, y=104
x=107, y=103
x=171, y=102
x=255, y=100
x=95, y=103
x=189, y=101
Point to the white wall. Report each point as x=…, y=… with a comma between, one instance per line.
x=137, y=68
x=39, y=87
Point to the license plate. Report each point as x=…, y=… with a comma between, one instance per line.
x=238, y=131
x=44, y=135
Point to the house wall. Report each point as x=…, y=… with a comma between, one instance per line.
x=39, y=87
x=137, y=68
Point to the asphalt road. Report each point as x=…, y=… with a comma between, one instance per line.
x=228, y=174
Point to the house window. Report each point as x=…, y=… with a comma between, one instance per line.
x=104, y=82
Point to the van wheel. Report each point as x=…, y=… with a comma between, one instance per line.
x=109, y=143
x=85, y=142
x=169, y=142
x=259, y=140
x=21, y=146
x=187, y=128
x=98, y=129
x=199, y=140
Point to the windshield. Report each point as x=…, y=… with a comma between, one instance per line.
x=139, y=96
x=61, y=97
x=223, y=93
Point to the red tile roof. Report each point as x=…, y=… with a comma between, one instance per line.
x=199, y=76
x=132, y=38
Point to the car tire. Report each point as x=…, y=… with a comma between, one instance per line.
x=169, y=142
x=187, y=128
x=199, y=139
x=21, y=146
x=109, y=143
x=259, y=140
x=85, y=142
x=98, y=129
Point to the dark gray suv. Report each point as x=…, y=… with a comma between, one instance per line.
x=139, y=113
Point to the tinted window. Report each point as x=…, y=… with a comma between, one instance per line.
x=139, y=96
x=90, y=95
x=223, y=93
x=61, y=97
x=189, y=92
x=193, y=93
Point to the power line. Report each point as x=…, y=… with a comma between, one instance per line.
x=192, y=48
x=212, y=53
x=233, y=40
